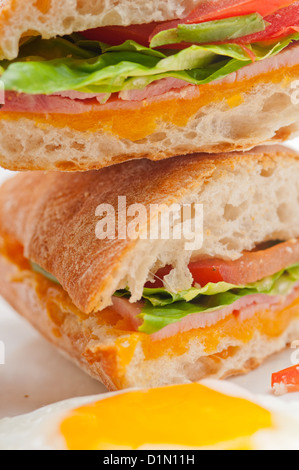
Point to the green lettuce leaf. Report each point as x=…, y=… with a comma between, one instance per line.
x=63, y=64
x=38, y=269
x=211, y=31
x=163, y=308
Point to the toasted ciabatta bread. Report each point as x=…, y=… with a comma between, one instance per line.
x=254, y=106
x=50, y=18
x=51, y=219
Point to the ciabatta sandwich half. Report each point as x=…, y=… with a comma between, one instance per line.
x=87, y=259
x=87, y=84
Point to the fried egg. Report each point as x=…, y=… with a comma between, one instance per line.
x=205, y=415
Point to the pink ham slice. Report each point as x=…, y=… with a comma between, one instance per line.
x=43, y=104
x=128, y=311
x=78, y=95
x=160, y=87
x=73, y=102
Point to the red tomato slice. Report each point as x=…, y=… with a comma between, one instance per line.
x=115, y=35
x=229, y=8
x=281, y=24
x=159, y=278
x=203, y=273
x=287, y=377
x=225, y=9
x=251, y=267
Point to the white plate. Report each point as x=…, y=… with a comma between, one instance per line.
x=35, y=374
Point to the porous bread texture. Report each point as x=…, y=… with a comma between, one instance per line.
x=195, y=365
x=244, y=203
x=51, y=18
x=271, y=116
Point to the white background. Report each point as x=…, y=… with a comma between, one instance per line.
x=35, y=374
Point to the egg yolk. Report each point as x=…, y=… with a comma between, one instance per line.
x=179, y=416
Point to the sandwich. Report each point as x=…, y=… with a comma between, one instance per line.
x=87, y=84
x=86, y=258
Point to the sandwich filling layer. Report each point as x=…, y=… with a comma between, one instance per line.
x=264, y=279
x=109, y=66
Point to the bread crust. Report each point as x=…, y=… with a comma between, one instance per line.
x=105, y=348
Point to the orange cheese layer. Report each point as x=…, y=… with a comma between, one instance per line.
x=188, y=416
x=139, y=122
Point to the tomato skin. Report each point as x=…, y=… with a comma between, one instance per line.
x=231, y=8
x=158, y=283
x=288, y=377
x=280, y=26
x=202, y=275
x=116, y=35
x=228, y=9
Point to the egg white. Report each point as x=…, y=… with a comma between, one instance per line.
x=40, y=430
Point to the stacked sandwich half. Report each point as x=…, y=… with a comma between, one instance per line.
x=154, y=237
